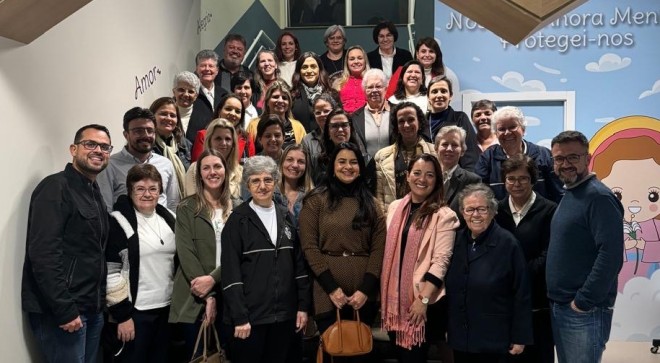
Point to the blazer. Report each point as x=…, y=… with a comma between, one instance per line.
x=435, y=249
x=202, y=112
x=459, y=180
x=385, y=178
x=488, y=293
x=400, y=58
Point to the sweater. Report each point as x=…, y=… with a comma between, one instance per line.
x=586, y=246
x=327, y=234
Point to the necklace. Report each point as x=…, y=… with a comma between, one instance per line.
x=148, y=224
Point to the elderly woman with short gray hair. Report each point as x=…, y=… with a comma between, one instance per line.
x=185, y=90
x=509, y=125
x=486, y=283
x=264, y=279
x=371, y=122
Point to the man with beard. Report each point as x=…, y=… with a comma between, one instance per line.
x=233, y=53
x=140, y=134
x=584, y=256
x=64, y=273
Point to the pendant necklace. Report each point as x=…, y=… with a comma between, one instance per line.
x=148, y=224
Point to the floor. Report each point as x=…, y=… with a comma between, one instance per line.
x=630, y=352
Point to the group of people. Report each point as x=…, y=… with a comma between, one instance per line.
x=304, y=194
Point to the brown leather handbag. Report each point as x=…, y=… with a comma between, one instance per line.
x=345, y=338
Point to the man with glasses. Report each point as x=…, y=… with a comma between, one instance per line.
x=584, y=256
x=64, y=274
x=140, y=133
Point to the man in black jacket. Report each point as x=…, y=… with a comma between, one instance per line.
x=64, y=274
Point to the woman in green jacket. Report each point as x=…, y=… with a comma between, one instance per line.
x=199, y=223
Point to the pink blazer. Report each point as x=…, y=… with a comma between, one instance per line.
x=435, y=249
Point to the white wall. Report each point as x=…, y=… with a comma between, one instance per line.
x=79, y=72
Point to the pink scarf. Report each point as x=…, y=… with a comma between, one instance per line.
x=395, y=305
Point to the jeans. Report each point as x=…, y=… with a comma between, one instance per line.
x=58, y=345
x=580, y=337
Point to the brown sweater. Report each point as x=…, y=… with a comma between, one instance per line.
x=325, y=234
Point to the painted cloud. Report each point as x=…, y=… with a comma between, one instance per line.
x=546, y=69
x=532, y=121
x=516, y=81
x=639, y=294
x=655, y=89
x=607, y=63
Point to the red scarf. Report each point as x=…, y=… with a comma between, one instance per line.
x=395, y=306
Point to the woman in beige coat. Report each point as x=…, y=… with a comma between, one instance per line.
x=407, y=122
x=420, y=239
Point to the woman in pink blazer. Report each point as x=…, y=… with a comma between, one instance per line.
x=420, y=240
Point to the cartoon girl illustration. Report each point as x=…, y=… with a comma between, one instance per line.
x=626, y=158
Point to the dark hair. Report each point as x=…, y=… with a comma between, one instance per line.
x=483, y=105
x=163, y=101
x=520, y=162
x=400, y=92
x=278, y=46
x=433, y=201
x=234, y=36
x=328, y=97
x=438, y=67
x=136, y=113
x=570, y=136
x=78, y=136
x=395, y=137
x=266, y=122
x=385, y=25
x=296, y=81
x=221, y=104
x=442, y=78
x=328, y=146
x=139, y=172
x=239, y=78
x=367, y=212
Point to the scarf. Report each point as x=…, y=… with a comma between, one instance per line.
x=312, y=92
x=394, y=304
x=170, y=152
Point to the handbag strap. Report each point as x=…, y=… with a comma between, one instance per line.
x=356, y=316
x=202, y=330
x=341, y=343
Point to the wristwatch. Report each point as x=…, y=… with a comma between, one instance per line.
x=425, y=300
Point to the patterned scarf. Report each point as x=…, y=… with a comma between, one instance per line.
x=170, y=152
x=395, y=305
x=312, y=92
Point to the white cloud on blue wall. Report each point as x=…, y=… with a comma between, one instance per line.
x=546, y=69
x=607, y=63
x=533, y=121
x=516, y=81
x=655, y=89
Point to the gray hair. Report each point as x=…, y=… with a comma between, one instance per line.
x=509, y=112
x=260, y=164
x=451, y=129
x=207, y=54
x=373, y=72
x=333, y=29
x=188, y=78
x=479, y=189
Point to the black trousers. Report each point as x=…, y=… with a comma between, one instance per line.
x=465, y=357
x=543, y=349
x=267, y=343
x=152, y=336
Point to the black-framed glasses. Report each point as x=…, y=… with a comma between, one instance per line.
x=143, y=190
x=91, y=145
x=480, y=210
x=512, y=180
x=572, y=158
x=340, y=125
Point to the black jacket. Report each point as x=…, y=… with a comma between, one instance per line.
x=533, y=233
x=400, y=58
x=457, y=118
x=488, y=293
x=118, y=241
x=262, y=283
x=64, y=271
x=203, y=111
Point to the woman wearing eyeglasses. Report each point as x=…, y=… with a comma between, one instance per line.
x=527, y=215
x=490, y=311
x=372, y=121
x=264, y=279
x=322, y=106
x=509, y=125
x=140, y=259
x=200, y=221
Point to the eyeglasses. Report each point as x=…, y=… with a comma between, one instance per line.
x=336, y=37
x=340, y=125
x=91, y=145
x=256, y=182
x=501, y=130
x=375, y=88
x=523, y=180
x=143, y=190
x=480, y=210
x=143, y=131
x=572, y=158
x=383, y=36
